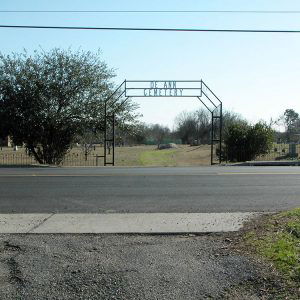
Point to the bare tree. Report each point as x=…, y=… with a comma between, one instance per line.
x=88, y=139
x=159, y=133
x=291, y=121
x=193, y=127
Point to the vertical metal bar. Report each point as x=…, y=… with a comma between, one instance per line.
x=212, y=140
x=221, y=129
x=201, y=88
x=105, y=129
x=125, y=88
x=113, y=143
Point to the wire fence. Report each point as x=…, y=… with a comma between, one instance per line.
x=80, y=159
x=16, y=159
x=277, y=152
x=77, y=157
x=10, y=157
x=281, y=152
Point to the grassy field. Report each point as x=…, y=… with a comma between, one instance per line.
x=184, y=155
x=125, y=156
x=150, y=156
x=276, y=239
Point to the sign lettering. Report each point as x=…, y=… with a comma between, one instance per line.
x=159, y=89
x=163, y=88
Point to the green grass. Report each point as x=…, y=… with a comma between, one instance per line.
x=278, y=240
x=158, y=157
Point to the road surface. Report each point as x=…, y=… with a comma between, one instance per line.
x=137, y=190
x=109, y=266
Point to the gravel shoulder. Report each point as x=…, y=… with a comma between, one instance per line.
x=126, y=267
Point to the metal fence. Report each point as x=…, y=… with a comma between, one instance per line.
x=76, y=157
x=9, y=157
x=80, y=159
x=277, y=152
x=281, y=152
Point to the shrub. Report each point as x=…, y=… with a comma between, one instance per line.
x=245, y=142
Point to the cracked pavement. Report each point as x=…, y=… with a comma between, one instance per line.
x=121, y=267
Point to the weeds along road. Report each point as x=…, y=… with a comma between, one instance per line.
x=117, y=189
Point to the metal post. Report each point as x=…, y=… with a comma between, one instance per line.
x=113, y=139
x=212, y=140
x=125, y=88
x=105, y=129
x=221, y=129
x=201, y=86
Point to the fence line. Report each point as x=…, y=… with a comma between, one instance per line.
x=281, y=152
x=277, y=152
x=76, y=157
x=10, y=157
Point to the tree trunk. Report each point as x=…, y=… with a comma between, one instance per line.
x=36, y=156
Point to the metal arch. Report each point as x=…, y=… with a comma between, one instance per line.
x=205, y=105
x=211, y=91
x=111, y=118
x=220, y=117
x=209, y=99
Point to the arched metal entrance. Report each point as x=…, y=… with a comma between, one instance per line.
x=162, y=88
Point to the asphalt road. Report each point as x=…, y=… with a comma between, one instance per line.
x=107, y=190
x=125, y=267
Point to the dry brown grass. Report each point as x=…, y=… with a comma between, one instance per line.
x=149, y=156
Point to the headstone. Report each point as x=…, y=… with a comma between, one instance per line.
x=292, y=150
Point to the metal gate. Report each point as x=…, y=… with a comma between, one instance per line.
x=162, y=88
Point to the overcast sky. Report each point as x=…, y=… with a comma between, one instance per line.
x=256, y=75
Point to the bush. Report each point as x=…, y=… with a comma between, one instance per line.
x=245, y=142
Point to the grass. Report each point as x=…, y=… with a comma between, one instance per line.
x=184, y=155
x=142, y=155
x=158, y=157
x=277, y=239
x=149, y=156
